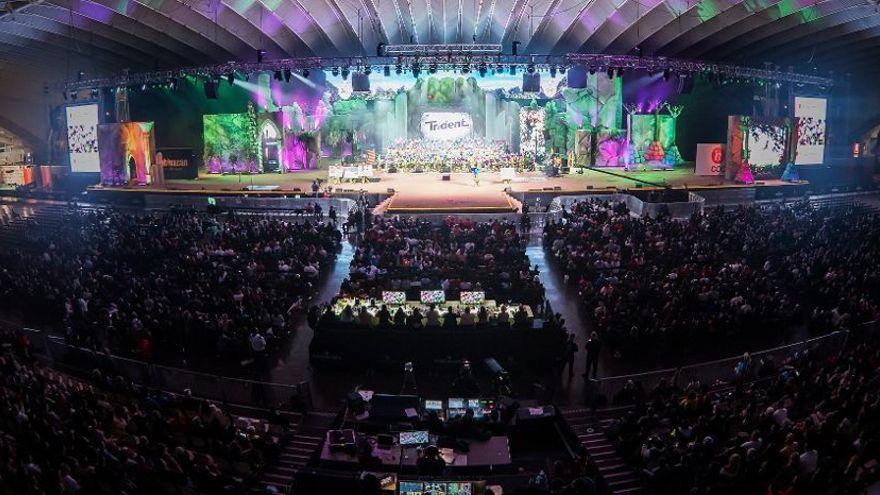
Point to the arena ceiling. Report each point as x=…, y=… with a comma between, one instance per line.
x=840, y=35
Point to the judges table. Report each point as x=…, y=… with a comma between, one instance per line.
x=373, y=306
x=492, y=453
x=355, y=346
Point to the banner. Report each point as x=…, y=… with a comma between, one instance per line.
x=177, y=163
x=709, y=158
x=445, y=126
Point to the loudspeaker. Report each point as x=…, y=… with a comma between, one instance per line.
x=380, y=48
x=531, y=82
x=360, y=82
x=210, y=89
x=577, y=77
x=685, y=84
x=514, y=47
x=446, y=177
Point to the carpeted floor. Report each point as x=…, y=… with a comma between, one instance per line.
x=459, y=194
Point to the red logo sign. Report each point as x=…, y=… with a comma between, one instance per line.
x=716, y=155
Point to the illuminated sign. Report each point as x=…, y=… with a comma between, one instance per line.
x=444, y=126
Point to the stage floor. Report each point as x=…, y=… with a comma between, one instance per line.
x=591, y=179
x=428, y=193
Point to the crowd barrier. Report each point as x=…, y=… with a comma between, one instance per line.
x=241, y=202
x=298, y=396
x=694, y=204
x=360, y=348
x=719, y=371
x=82, y=361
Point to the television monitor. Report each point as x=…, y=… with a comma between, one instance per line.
x=395, y=298
x=473, y=298
x=434, y=405
x=414, y=437
x=455, y=407
x=433, y=297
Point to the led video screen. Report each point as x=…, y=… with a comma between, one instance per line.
x=766, y=144
x=811, y=114
x=82, y=138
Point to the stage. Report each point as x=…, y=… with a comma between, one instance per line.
x=429, y=193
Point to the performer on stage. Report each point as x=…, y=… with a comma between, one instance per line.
x=476, y=171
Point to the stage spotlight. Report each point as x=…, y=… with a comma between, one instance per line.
x=512, y=70
x=666, y=74
x=287, y=75
x=386, y=71
x=260, y=53
x=94, y=93
x=531, y=68
x=562, y=69
x=482, y=70
x=610, y=73
x=230, y=78
x=277, y=75
x=80, y=75
x=432, y=69
x=552, y=71
x=306, y=73
x=499, y=69
x=416, y=70
x=335, y=71
x=173, y=83
x=620, y=72
x=592, y=70
x=398, y=69
x=368, y=70
x=345, y=72
x=465, y=68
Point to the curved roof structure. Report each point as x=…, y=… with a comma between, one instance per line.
x=839, y=35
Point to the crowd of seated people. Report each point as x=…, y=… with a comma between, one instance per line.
x=412, y=254
x=807, y=426
x=222, y=285
x=667, y=284
x=64, y=435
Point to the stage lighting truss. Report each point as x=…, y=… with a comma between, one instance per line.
x=414, y=50
x=435, y=61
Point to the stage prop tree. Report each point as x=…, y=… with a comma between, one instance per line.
x=630, y=162
x=744, y=173
x=655, y=151
x=253, y=157
x=790, y=174
x=673, y=156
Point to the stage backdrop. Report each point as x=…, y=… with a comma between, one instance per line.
x=126, y=151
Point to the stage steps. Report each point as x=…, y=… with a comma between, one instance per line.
x=299, y=450
x=618, y=475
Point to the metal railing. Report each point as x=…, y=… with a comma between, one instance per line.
x=255, y=393
x=719, y=371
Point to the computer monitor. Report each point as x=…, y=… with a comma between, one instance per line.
x=440, y=487
x=432, y=297
x=414, y=437
x=472, y=298
x=456, y=407
x=410, y=488
x=434, y=405
x=394, y=298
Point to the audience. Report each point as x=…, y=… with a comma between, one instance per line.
x=178, y=281
x=63, y=435
x=665, y=284
x=808, y=427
